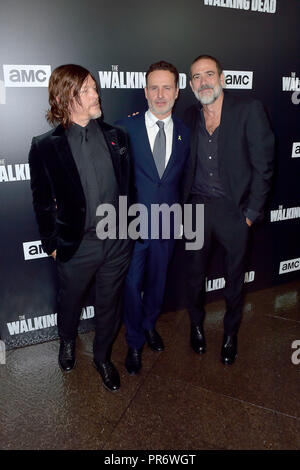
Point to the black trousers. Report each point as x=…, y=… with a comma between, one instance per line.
x=224, y=222
x=107, y=261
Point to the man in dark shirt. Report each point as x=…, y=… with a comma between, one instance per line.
x=230, y=170
x=79, y=165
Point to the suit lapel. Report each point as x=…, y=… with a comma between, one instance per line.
x=225, y=125
x=142, y=142
x=176, y=144
x=111, y=137
x=63, y=150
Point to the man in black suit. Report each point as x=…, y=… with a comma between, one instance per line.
x=229, y=172
x=75, y=167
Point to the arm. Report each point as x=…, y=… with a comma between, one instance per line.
x=260, y=142
x=43, y=200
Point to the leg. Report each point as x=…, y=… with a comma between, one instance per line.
x=133, y=303
x=74, y=278
x=109, y=281
x=232, y=232
x=160, y=253
x=197, y=261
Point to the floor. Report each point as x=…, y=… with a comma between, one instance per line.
x=179, y=400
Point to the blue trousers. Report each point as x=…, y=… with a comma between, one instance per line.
x=144, y=288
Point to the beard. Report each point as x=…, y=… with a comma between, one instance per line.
x=211, y=98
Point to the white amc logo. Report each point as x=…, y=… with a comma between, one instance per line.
x=296, y=150
x=235, y=79
x=33, y=250
x=26, y=75
x=289, y=266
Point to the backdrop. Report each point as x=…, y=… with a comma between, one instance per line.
x=257, y=42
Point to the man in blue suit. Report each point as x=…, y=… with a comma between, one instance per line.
x=160, y=145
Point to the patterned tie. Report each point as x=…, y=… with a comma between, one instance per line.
x=159, y=149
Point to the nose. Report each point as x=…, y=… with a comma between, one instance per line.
x=94, y=93
x=160, y=92
x=202, y=80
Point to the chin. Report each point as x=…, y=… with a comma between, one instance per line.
x=96, y=115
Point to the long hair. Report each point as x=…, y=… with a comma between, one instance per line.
x=65, y=84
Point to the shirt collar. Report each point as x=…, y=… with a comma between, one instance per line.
x=152, y=120
x=75, y=129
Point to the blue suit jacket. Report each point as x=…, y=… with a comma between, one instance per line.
x=150, y=189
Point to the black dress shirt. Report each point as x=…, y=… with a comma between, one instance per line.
x=95, y=168
x=207, y=181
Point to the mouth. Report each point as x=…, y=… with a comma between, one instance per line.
x=204, y=89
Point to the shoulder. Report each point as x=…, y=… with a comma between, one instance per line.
x=46, y=136
x=130, y=122
x=190, y=115
x=241, y=102
x=180, y=125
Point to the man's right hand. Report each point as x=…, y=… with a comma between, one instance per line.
x=53, y=254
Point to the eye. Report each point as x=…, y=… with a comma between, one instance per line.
x=196, y=76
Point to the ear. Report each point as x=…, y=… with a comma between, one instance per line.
x=57, y=99
x=222, y=79
x=177, y=91
x=146, y=93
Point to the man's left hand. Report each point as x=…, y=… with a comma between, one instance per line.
x=248, y=221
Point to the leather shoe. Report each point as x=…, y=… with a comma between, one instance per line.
x=110, y=375
x=66, y=356
x=229, y=349
x=154, y=340
x=198, y=342
x=133, y=361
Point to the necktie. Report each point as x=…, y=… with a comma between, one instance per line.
x=159, y=149
x=84, y=135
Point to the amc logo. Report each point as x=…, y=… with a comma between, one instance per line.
x=289, y=266
x=26, y=75
x=238, y=79
x=296, y=150
x=33, y=250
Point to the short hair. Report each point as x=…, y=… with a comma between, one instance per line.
x=162, y=65
x=210, y=57
x=65, y=84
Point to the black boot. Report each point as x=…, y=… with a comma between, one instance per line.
x=197, y=339
x=229, y=349
x=66, y=356
x=133, y=361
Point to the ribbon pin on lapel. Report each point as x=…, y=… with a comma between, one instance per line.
x=179, y=137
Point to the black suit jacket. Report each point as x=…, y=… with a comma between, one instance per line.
x=245, y=152
x=58, y=196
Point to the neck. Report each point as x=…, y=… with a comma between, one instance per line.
x=83, y=122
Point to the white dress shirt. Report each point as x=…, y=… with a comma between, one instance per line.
x=152, y=130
